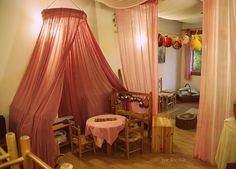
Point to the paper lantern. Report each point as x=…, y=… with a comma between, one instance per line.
x=196, y=42
x=176, y=42
x=160, y=40
x=186, y=39
x=167, y=41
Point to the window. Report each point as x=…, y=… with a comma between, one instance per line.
x=196, y=60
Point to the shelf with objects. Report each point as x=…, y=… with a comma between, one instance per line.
x=61, y=131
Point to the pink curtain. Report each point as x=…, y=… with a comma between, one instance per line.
x=68, y=70
x=187, y=57
x=137, y=34
x=218, y=80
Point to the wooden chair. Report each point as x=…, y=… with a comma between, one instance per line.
x=117, y=106
x=79, y=142
x=167, y=98
x=131, y=139
x=127, y=114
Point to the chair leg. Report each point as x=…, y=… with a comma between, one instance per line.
x=94, y=148
x=72, y=148
x=115, y=146
x=142, y=146
x=127, y=150
x=80, y=151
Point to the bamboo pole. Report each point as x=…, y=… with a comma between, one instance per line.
x=39, y=161
x=3, y=154
x=12, y=162
x=25, y=149
x=66, y=166
x=12, y=148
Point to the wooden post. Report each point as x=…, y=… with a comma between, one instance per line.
x=12, y=148
x=25, y=148
x=66, y=166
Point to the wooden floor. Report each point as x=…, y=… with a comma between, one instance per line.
x=180, y=159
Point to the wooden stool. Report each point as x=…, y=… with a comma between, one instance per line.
x=162, y=135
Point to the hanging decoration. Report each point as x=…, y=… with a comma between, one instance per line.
x=167, y=41
x=114, y=22
x=186, y=39
x=176, y=42
x=160, y=40
x=143, y=102
x=196, y=42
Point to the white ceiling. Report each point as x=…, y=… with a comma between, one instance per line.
x=186, y=11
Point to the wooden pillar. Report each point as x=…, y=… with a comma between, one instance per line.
x=12, y=148
x=25, y=148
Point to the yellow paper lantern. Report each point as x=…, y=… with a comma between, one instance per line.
x=196, y=42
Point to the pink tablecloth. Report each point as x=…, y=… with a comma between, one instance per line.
x=105, y=130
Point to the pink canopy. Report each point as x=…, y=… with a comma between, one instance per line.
x=67, y=74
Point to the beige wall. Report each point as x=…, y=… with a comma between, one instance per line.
x=170, y=70
x=20, y=24
x=107, y=36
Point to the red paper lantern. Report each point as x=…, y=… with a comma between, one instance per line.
x=160, y=40
x=167, y=41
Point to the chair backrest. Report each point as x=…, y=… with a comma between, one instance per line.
x=134, y=126
x=75, y=132
x=160, y=84
x=122, y=100
x=125, y=113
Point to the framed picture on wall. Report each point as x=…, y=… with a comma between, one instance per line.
x=161, y=54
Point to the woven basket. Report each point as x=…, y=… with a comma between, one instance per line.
x=186, y=121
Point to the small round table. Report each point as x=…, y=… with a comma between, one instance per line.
x=105, y=127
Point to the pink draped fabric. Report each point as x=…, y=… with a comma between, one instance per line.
x=218, y=80
x=137, y=34
x=187, y=57
x=68, y=70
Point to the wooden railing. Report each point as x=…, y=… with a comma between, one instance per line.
x=27, y=158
